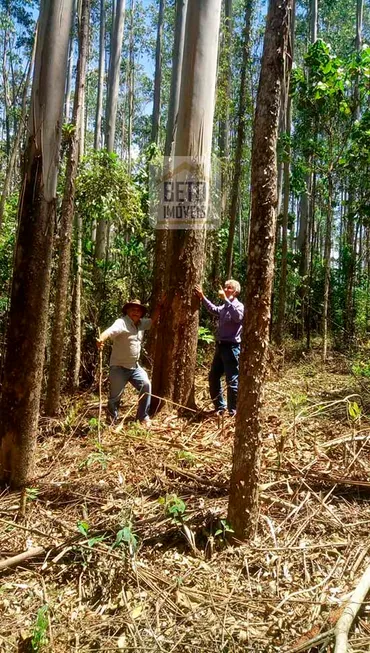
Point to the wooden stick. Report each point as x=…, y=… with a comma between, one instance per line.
x=14, y=560
x=348, y=616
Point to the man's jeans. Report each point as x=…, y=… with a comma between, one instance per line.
x=118, y=377
x=225, y=361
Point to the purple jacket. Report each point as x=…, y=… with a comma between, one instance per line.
x=230, y=322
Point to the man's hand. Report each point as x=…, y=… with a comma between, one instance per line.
x=99, y=343
x=198, y=291
x=221, y=293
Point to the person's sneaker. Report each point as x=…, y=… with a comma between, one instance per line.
x=220, y=412
x=112, y=416
x=232, y=413
x=146, y=423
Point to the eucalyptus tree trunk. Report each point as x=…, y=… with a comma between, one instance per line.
x=26, y=333
x=240, y=137
x=52, y=403
x=99, y=102
x=327, y=267
x=177, y=56
x=161, y=235
x=243, y=499
x=18, y=136
x=175, y=355
x=114, y=74
x=313, y=19
x=111, y=109
x=348, y=317
x=67, y=107
x=306, y=212
x=158, y=75
x=286, y=169
x=225, y=84
x=7, y=102
x=131, y=87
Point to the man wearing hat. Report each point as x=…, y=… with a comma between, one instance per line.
x=127, y=334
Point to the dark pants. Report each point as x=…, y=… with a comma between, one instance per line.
x=225, y=361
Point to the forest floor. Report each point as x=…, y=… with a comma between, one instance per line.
x=133, y=528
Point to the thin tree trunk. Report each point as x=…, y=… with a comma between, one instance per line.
x=6, y=93
x=158, y=75
x=175, y=356
x=327, y=266
x=225, y=84
x=243, y=497
x=284, y=238
x=75, y=360
x=99, y=103
x=348, y=317
x=313, y=19
x=66, y=225
x=67, y=110
x=131, y=89
x=26, y=334
x=114, y=74
x=18, y=136
x=111, y=110
x=240, y=138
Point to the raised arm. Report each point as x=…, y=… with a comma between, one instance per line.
x=211, y=308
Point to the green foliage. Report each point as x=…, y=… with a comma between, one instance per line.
x=32, y=493
x=98, y=457
x=7, y=240
x=83, y=527
x=104, y=190
x=205, y=335
x=173, y=506
x=361, y=368
x=186, y=457
x=224, y=529
x=39, y=637
x=354, y=411
x=126, y=536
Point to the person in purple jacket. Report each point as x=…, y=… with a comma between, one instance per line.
x=226, y=358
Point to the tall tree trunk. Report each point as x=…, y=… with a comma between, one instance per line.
x=177, y=56
x=75, y=359
x=111, y=110
x=240, y=137
x=99, y=102
x=306, y=201
x=246, y=459
x=158, y=75
x=280, y=323
x=114, y=74
x=131, y=87
x=313, y=20
x=66, y=225
x=225, y=84
x=327, y=266
x=350, y=267
x=67, y=108
x=161, y=235
x=6, y=93
x=18, y=136
x=175, y=356
x=26, y=334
